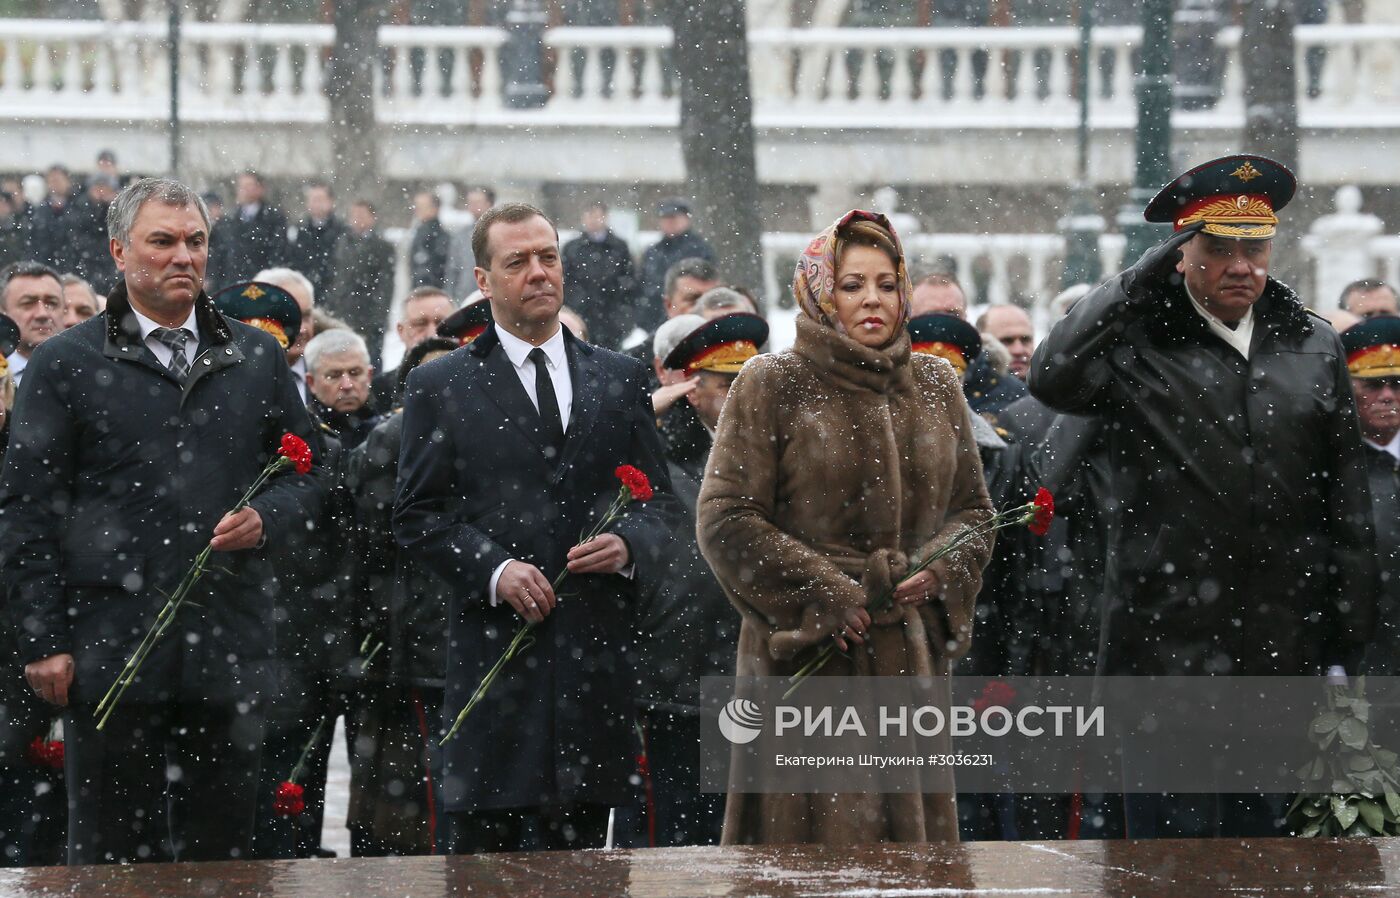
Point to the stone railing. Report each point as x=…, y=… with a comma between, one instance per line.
x=1348, y=75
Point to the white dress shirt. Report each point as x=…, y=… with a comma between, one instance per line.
x=518, y=351
x=1239, y=337
x=557, y=360
x=159, y=349
x=1393, y=447
x=299, y=378
x=17, y=365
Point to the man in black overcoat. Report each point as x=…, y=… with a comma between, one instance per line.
x=509, y=452
x=1241, y=542
x=135, y=433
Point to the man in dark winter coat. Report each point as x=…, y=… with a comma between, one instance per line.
x=183, y=409
x=689, y=629
x=311, y=244
x=598, y=280
x=51, y=223
x=92, y=259
x=1241, y=543
x=678, y=241
x=509, y=452
x=313, y=641
x=364, y=278
x=1373, y=354
x=427, y=250
x=398, y=776
x=255, y=230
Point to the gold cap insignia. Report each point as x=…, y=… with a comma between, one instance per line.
x=1247, y=172
x=254, y=292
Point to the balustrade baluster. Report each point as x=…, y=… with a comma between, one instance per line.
x=591, y=89
x=401, y=83
x=459, y=91
x=902, y=76
x=42, y=72
x=102, y=56
x=650, y=88
x=1123, y=76
x=962, y=79
x=73, y=85
x=490, y=96
x=994, y=94
x=12, y=72
x=1058, y=93
x=999, y=288
x=282, y=80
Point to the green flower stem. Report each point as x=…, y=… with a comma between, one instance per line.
x=306, y=750
x=1021, y=514
x=522, y=639
x=172, y=605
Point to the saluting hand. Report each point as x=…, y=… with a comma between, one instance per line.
x=1158, y=264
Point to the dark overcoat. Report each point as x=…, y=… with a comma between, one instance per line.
x=1240, y=541
x=476, y=488
x=115, y=477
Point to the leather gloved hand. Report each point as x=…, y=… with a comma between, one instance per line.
x=1157, y=267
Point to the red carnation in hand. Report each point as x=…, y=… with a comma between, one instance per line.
x=290, y=800
x=1044, y=512
x=636, y=482
x=295, y=450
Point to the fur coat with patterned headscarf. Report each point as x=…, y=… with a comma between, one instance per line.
x=834, y=466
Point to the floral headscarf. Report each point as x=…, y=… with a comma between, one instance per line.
x=814, y=283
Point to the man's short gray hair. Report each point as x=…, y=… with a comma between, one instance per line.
x=334, y=342
x=287, y=277
x=121, y=215
x=723, y=298
x=671, y=332
x=72, y=280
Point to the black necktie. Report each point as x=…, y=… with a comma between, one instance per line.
x=551, y=423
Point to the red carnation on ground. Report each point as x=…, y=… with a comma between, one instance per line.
x=290, y=800
x=996, y=694
x=636, y=482
x=1044, y=512
x=295, y=450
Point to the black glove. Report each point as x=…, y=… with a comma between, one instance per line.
x=1158, y=265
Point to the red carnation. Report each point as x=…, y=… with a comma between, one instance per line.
x=636, y=482
x=290, y=800
x=295, y=450
x=1044, y=512
x=996, y=694
x=46, y=753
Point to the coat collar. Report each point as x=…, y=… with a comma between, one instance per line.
x=123, y=329
x=1278, y=311
x=123, y=339
x=504, y=388
x=851, y=365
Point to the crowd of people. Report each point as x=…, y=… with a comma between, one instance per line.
x=1189, y=415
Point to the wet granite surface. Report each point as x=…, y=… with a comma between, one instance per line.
x=1179, y=869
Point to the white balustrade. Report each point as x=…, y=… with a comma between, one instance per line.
x=1347, y=75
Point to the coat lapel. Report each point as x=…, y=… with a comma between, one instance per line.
x=502, y=385
x=586, y=377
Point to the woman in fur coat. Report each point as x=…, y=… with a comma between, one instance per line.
x=835, y=465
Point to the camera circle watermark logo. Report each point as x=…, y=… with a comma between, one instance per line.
x=740, y=721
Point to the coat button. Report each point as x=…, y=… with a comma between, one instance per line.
x=207, y=362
